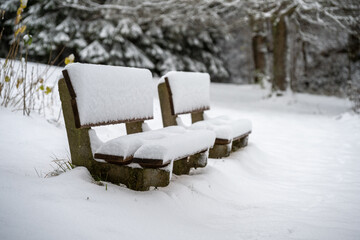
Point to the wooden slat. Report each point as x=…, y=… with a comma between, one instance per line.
x=197, y=116
x=220, y=141
x=241, y=136
x=134, y=127
x=197, y=110
x=158, y=163
x=73, y=98
x=113, y=158
x=151, y=163
x=68, y=83
x=76, y=113
x=115, y=122
x=170, y=94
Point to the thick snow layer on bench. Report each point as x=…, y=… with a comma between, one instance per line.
x=190, y=90
x=111, y=93
x=126, y=146
x=225, y=128
x=177, y=146
x=164, y=144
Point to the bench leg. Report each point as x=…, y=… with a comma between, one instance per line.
x=199, y=160
x=138, y=179
x=183, y=166
x=220, y=151
x=240, y=143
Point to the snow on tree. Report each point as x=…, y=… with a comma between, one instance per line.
x=298, y=44
x=159, y=35
x=94, y=53
x=316, y=31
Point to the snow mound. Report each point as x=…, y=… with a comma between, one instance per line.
x=190, y=90
x=175, y=147
x=111, y=93
x=224, y=127
x=165, y=144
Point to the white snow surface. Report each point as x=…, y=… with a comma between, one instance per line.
x=111, y=93
x=174, y=147
x=224, y=127
x=165, y=144
x=299, y=178
x=190, y=90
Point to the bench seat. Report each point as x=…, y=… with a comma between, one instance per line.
x=189, y=93
x=156, y=148
x=225, y=129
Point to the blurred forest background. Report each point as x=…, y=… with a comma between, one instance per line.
x=303, y=45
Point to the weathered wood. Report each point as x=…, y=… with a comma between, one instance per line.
x=220, y=141
x=68, y=84
x=113, y=159
x=198, y=110
x=79, y=140
x=197, y=116
x=165, y=103
x=168, y=88
x=182, y=166
x=199, y=160
x=72, y=99
x=240, y=143
x=139, y=179
x=220, y=151
x=241, y=136
x=134, y=127
x=151, y=163
x=114, y=122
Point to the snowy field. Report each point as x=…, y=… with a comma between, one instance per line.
x=299, y=178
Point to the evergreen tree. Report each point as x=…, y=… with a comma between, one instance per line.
x=159, y=35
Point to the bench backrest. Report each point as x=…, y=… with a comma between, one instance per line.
x=189, y=91
x=104, y=95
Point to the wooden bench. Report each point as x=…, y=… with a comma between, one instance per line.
x=189, y=92
x=95, y=95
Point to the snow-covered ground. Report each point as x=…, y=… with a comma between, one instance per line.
x=299, y=178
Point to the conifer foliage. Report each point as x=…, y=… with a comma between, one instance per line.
x=158, y=35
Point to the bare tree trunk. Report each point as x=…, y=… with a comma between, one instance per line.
x=294, y=41
x=294, y=57
x=303, y=49
x=280, y=50
x=258, y=42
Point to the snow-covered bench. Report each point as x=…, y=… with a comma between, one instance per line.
x=189, y=92
x=94, y=95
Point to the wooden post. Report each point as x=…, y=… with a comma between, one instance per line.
x=169, y=119
x=79, y=140
x=220, y=150
x=197, y=116
x=134, y=127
